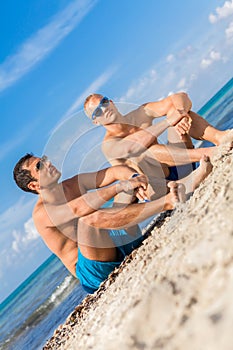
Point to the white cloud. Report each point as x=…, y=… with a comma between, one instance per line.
x=170, y=58
x=138, y=88
x=17, y=232
x=16, y=222
x=186, y=52
x=215, y=55
x=229, y=31
x=16, y=215
x=182, y=83
x=205, y=63
x=21, y=252
x=39, y=45
x=222, y=12
x=193, y=68
x=23, y=239
x=212, y=57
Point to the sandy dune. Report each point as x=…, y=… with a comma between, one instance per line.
x=173, y=292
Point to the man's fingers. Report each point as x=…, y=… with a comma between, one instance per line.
x=180, y=130
x=183, y=126
x=140, y=181
x=141, y=194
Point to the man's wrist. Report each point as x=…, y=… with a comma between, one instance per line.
x=124, y=186
x=119, y=187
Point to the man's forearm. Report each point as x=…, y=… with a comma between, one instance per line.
x=92, y=201
x=83, y=205
x=141, y=140
x=108, y=176
x=113, y=218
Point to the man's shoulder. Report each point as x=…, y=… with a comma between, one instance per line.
x=139, y=117
x=136, y=111
x=40, y=215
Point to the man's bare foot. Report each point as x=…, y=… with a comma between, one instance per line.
x=193, y=180
x=176, y=194
x=205, y=167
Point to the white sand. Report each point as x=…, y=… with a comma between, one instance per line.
x=176, y=290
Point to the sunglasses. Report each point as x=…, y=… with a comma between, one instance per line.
x=41, y=163
x=98, y=111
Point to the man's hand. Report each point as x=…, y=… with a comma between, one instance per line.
x=183, y=127
x=181, y=120
x=137, y=185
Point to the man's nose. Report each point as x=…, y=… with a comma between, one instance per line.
x=47, y=163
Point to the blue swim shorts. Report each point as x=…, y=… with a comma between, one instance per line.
x=175, y=171
x=91, y=273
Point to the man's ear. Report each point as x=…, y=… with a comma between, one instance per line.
x=34, y=185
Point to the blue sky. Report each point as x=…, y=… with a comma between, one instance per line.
x=54, y=53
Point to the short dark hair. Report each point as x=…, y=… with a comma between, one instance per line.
x=22, y=176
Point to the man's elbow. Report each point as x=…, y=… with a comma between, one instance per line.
x=139, y=147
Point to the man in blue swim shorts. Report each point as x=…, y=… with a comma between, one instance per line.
x=91, y=240
x=91, y=273
x=131, y=139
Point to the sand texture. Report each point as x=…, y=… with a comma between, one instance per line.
x=173, y=292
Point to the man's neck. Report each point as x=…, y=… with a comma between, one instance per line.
x=53, y=194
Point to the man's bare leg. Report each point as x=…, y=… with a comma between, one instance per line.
x=202, y=130
x=171, y=155
x=193, y=180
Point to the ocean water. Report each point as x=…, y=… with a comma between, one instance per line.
x=218, y=111
x=29, y=316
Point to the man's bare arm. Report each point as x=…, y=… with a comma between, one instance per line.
x=104, y=177
x=134, y=144
x=113, y=218
x=138, y=142
x=90, y=202
x=178, y=101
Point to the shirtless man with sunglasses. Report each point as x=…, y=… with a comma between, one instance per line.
x=89, y=240
x=131, y=139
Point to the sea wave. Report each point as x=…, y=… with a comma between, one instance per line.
x=59, y=292
x=38, y=315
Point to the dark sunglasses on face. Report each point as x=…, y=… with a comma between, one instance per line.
x=98, y=111
x=41, y=162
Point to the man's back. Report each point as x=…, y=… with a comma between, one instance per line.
x=60, y=238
